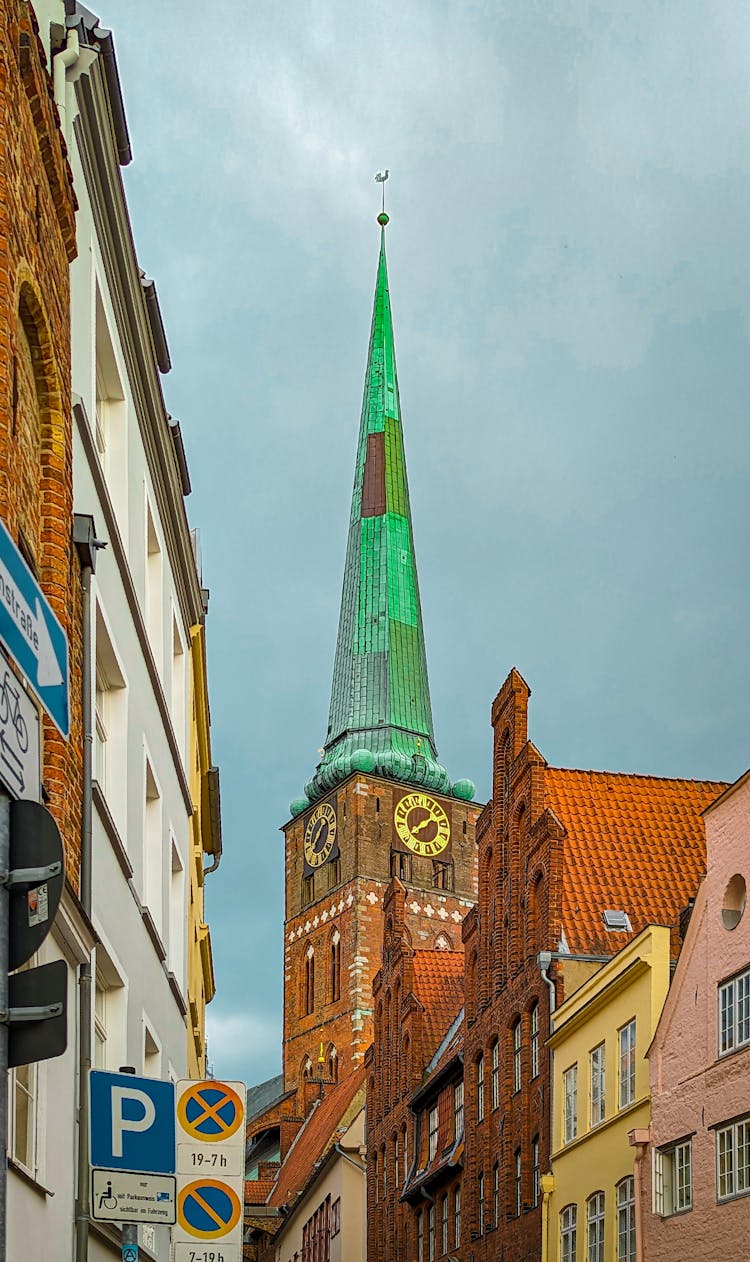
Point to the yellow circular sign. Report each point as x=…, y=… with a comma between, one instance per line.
x=208, y=1209
x=422, y=824
x=210, y=1111
x=320, y=834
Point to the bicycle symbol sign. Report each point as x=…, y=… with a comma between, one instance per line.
x=210, y=1111
x=208, y=1209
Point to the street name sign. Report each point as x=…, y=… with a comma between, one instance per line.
x=210, y=1130
x=132, y=1123
x=20, y=753
x=119, y=1196
x=32, y=633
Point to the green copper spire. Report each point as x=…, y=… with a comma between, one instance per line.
x=380, y=719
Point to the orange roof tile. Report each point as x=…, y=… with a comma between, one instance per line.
x=319, y=1133
x=439, y=987
x=634, y=843
x=256, y=1191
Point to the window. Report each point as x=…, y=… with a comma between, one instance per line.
x=442, y=875
x=480, y=1088
x=568, y=1219
x=596, y=1085
x=733, y=1159
x=457, y=1216
x=595, y=1228
x=433, y=1132
x=458, y=1110
x=309, y=1000
x=110, y=726
x=495, y=1195
x=333, y=1064
x=151, y=1052
x=403, y=1138
x=518, y=1175
x=335, y=967
x=153, y=844
x=535, y=1171
x=333, y=873
x=336, y=1217
x=480, y=1202
x=534, y=1020
x=626, y=1220
x=431, y=1233
x=178, y=685
x=673, y=1190
x=444, y=1225
x=24, y=1091
x=627, y=1064
x=110, y=415
x=154, y=609
x=401, y=866
x=496, y=1074
x=734, y=1013
x=420, y=1238
x=517, y=1055
x=384, y=1169
x=570, y=1096
x=308, y=889
x=177, y=915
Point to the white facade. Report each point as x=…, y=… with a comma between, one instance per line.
x=129, y=475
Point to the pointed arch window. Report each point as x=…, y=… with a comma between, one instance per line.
x=309, y=981
x=335, y=967
x=333, y=1064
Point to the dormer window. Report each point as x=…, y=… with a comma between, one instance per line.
x=617, y=921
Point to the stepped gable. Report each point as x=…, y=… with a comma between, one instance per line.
x=328, y=1120
x=439, y=987
x=634, y=843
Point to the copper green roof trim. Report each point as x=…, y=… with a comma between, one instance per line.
x=380, y=719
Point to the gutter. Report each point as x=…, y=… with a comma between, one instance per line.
x=158, y=334
x=91, y=34
x=61, y=63
x=214, y=819
x=179, y=451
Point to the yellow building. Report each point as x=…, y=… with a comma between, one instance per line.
x=600, y=1094
x=204, y=787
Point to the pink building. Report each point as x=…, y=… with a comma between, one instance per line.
x=693, y=1164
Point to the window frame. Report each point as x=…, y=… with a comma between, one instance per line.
x=534, y=1041
x=595, y=1221
x=625, y=1208
x=480, y=1087
x=733, y=1130
x=626, y=1061
x=432, y=1132
x=570, y=1103
x=495, y=1075
x=733, y=996
x=568, y=1233
x=458, y=1109
x=597, y=1084
x=457, y=1216
x=517, y=1056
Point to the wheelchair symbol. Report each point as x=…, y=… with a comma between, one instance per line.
x=108, y=1201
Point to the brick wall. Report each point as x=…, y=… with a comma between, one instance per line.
x=37, y=244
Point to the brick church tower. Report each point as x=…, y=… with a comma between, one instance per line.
x=379, y=804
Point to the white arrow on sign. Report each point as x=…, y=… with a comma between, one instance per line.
x=33, y=628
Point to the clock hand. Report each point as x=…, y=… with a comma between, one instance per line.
x=419, y=828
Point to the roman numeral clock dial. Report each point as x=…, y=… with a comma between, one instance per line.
x=422, y=824
x=320, y=834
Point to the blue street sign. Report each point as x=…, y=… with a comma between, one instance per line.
x=132, y=1123
x=32, y=634
x=130, y=1253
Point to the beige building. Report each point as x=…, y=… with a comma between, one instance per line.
x=600, y=1096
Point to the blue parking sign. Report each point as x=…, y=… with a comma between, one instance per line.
x=132, y=1123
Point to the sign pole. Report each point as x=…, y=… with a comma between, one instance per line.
x=4, y=1028
x=128, y=1231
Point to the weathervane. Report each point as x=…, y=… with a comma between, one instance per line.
x=381, y=178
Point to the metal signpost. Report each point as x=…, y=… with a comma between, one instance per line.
x=32, y=633
x=210, y=1171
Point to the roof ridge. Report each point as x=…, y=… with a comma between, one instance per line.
x=637, y=775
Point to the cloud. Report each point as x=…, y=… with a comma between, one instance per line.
x=242, y=1042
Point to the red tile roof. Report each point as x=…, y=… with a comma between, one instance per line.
x=439, y=987
x=634, y=843
x=323, y=1128
x=256, y=1190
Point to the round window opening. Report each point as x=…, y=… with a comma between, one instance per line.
x=735, y=897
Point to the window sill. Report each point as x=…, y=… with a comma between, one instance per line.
x=28, y=1178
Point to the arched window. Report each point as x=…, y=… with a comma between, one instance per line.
x=309, y=981
x=495, y=1080
x=517, y=1055
x=480, y=1087
x=595, y=1227
x=333, y=1064
x=568, y=1230
x=405, y=1065
x=443, y=943
x=307, y=1069
x=334, y=981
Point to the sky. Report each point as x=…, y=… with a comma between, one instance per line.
x=570, y=277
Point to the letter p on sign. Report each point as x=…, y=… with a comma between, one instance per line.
x=132, y=1123
x=121, y=1123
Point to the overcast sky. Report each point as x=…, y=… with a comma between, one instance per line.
x=570, y=278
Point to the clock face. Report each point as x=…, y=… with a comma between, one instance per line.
x=320, y=834
x=422, y=824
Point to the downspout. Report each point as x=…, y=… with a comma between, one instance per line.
x=547, y=1184
x=639, y=1139
x=61, y=63
x=343, y=1153
x=86, y=543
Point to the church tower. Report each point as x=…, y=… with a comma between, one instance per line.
x=379, y=804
